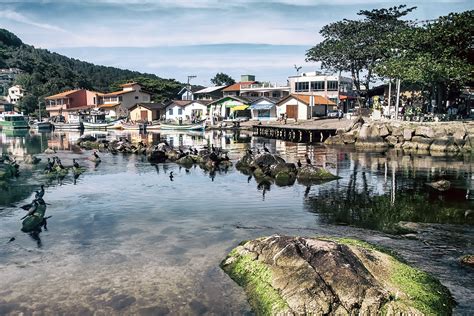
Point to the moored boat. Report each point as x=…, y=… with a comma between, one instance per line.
x=116, y=124
x=184, y=126
x=63, y=126
x=13, y=120
x=41, y=126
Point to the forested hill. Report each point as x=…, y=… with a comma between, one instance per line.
x=47, y=73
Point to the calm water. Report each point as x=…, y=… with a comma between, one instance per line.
x=124, y=239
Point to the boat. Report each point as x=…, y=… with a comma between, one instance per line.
x=116, y=124
x=63, y=126
x=184, y=126
x=13, y=120
x=133, y=127
x=41, y=126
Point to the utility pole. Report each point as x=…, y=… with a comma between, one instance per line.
x=297, y=68
x=188, y=86
x=389, y=95
x=398, y=99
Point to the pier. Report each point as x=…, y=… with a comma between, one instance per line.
x=293, y=133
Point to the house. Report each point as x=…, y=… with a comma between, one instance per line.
x=15, y=93
x=264, y=89
x=117, y=104
x=234, y=89
x=187, y=92
x=5, y=105
x=71, y=101
x=147, y=112
x=186, y=110
x=226, y=107
x=264, y=109
x=209, y=93
x=334, y=88
x=304, y=107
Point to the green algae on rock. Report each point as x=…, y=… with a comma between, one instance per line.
x=295, y=275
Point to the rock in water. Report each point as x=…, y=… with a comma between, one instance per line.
x=294, y=276
x=49, y=151
x=441, y=185
x=312, y=173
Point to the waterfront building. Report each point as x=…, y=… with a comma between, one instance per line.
x=15, y=93
x=225, y=107
x=234, y=89
x=71, y=101
x=117, y=104
x=304, y=107
x=147, y=112
x=264, y=109
x=186, y=110
x=264, y=89
x=209, y=93
x=338, y=89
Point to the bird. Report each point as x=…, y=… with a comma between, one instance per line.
x=249, y=178
x=31, y=210
x=75, y=164
x=40, y=193
x=265, y=149
x=308, y=161
x=171, y=175
x=226, y=158
x=250, y=152
x=299, y=164
x=11, y=239
x=187, y=170
x=196, y=151
x=95, y=157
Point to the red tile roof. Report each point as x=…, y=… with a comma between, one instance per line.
x=236, y=86
x=61, y=95
x=306, y=99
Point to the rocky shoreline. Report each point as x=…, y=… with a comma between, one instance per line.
x=285, y=275
x=428, y=138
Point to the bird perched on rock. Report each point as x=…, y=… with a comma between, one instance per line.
x=308, y=161
x=95, y=157
x=299, y=164
x=265, y=149
x=75, y=164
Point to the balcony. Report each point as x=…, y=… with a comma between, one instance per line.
x=263, y=86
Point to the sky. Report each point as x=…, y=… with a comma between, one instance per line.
x=177, y=38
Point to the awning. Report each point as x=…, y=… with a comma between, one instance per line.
x=239, y=107
x=264, y=106
x=232, y=105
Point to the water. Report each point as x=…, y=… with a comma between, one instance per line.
x=124, y=239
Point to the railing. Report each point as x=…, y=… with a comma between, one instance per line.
x=262, y=86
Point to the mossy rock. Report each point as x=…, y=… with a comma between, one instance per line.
x=90, y=145
x=308, y=174
x=468, y=260
x=186, y=161
x=285, y=178
x=296, y=275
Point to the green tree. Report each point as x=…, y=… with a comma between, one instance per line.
x=437, y=55
x=222, y=79
x=356, y=46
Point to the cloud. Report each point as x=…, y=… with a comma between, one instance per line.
x=18, y=17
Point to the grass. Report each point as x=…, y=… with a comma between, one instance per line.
x=256, y=278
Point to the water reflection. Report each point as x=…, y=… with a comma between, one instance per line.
x=134, y=241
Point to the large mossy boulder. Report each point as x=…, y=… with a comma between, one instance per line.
x=266, y=160
x=311, y=173
x=307, y=276
x=245, y=162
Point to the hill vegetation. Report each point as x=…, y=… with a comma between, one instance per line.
x=46, y=73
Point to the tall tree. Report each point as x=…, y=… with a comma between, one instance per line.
x=356, y=46
x=222, y=79
x=437, y=55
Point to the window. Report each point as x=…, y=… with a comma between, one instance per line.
x=332, y=85
x=317, y=86
x=120, y=98
x=276, y=94
x=180, y=111
x=136, y=97
x=170, y=111
x=264, y=113
x=301, y=86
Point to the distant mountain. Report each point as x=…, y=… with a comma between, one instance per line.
x=47, y=73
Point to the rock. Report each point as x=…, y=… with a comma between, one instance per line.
x=407, y=133
x=186, y=161
x=383, y=131
x=422, y=143
x=397, y=131
x=335, y=140
x=409, y=145
x=391, y=140
x=49, y=151
x=439, y=145
x=371, y=143
x=283, y=178
x=364, y=132
x=284, y=275
x=310, y=173
x=245, y=162
x=30, y=159
x=156, y=156
x=424, y=131
x=87, y=138
x=172, y=155
x=349, y=138
x=89, y=145
x=468, y=260
x=265, y=160
x=374, y=131
x=441, y=185
x=283, y=167
x=459, y=137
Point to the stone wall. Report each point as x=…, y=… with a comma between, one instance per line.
x=431, y=138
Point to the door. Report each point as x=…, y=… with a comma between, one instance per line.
x=144, y=115
x=292, y=111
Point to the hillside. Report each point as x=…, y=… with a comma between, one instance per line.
x=47, y=73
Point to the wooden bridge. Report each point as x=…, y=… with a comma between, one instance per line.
x=294, y=134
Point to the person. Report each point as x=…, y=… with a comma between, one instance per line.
x=339, y=114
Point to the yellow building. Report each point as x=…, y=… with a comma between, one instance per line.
x=147, y=112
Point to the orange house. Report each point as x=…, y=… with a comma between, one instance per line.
x=70, y=101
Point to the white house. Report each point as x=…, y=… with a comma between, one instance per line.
x=15, y=93
x=304, y=107
x=264, y=109
x=118, y=103
x=186, y=110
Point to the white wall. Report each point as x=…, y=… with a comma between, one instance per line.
x=186, y=111
x=303, y=109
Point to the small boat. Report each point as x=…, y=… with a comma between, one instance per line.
x=63, y=126
x=41, y=126
x=133, y=127
x=13, y=120
x=102, y=125
x=186, y=127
